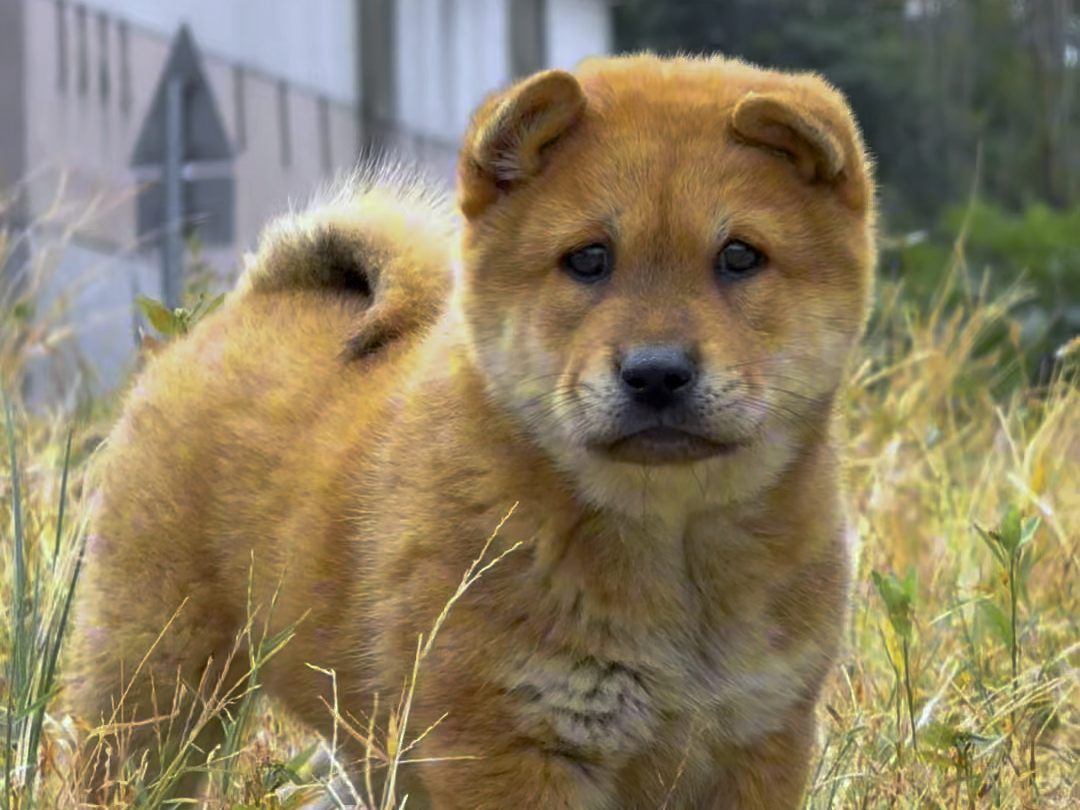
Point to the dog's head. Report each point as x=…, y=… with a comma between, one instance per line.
x=666, y=264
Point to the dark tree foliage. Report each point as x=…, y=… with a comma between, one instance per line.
x=942, y=88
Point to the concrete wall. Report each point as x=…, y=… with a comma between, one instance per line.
x=87, y=292
x=88, y=83
x=307, y=42
x=576, y=29
x=77, y=80
x=81, y=131
x=452, y=53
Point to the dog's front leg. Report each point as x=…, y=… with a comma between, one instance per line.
x=769, y=774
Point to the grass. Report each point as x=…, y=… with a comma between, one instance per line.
x=960, y=686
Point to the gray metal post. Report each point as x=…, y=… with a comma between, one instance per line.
x=172, y=246
x=181, y=136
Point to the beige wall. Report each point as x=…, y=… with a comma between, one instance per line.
x=84, y=95
x=80, y=134
x=76, y=84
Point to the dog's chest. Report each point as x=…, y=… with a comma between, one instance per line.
x=637, y=688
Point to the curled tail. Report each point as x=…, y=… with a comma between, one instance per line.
x=382, y=237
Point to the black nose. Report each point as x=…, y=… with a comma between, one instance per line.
x=657, y=376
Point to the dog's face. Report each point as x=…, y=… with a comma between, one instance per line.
x=667, y=264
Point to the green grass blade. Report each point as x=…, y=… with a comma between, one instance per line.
x=63, y=500
x=55, y=639
x=16, y=668
x=19, y=585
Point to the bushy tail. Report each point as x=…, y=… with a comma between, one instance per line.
x=383, y=235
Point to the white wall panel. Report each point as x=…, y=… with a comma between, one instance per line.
x=576, y=29
x=310, y=42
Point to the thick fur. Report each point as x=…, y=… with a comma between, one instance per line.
x=661, y=634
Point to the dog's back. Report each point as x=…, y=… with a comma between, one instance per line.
x=240, y=431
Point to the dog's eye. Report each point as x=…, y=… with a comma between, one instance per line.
x=588, y=264
x=738, y=260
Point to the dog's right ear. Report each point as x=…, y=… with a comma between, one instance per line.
x=508, y=135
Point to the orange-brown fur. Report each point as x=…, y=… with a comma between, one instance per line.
x=661, y=635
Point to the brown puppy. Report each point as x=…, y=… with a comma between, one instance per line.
x=665, y=266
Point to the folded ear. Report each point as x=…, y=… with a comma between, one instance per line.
x=818, y=136
x=508, y=135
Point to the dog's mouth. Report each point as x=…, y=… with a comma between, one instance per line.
x=663, y=445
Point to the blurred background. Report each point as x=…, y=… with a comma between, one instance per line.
x=143, y=143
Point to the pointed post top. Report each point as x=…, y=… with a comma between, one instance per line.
x=204, y=134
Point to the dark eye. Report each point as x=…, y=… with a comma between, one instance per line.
x=589, y=264
x=738, y=260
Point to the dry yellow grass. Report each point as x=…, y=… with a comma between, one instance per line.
x=933, y=453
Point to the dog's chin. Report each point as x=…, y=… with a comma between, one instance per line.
x=662, y=446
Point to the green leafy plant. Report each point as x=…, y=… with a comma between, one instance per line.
x=197, y=301
x=176, y=322
x=899, y=598
x=1011, y=546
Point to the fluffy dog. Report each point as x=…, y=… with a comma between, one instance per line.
x=661, y=272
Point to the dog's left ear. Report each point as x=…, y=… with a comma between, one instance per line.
x=815, y=131
x=505, y=144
